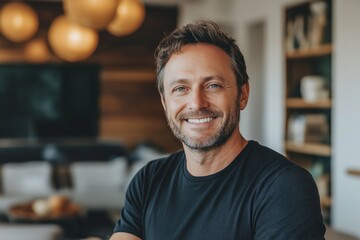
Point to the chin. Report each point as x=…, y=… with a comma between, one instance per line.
x=200, y=144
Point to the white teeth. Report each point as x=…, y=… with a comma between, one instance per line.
x=200, y=120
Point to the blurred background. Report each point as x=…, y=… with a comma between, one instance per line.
x=80, y=113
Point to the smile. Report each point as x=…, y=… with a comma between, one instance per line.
x=200, y=120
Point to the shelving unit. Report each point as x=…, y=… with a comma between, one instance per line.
x=307, y=137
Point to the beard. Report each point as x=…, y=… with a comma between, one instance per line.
x=214, y=141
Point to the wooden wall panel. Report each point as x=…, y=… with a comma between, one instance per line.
x=129, y=103
x=133, y=130
x=132, y=112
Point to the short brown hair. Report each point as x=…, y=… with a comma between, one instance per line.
x=202, y=31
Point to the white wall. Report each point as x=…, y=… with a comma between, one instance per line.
x=346, y=116
x=256, y=70
x=216, y=10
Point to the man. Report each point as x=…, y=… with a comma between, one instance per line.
x=221, y=186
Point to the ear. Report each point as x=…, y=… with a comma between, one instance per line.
x=245, y=91
x=163, y=101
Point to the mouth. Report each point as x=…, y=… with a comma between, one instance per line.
x=200, y=120
x=200, y=117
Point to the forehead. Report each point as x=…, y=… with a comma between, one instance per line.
x=198, y=60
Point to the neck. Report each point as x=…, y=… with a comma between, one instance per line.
x=206, y=163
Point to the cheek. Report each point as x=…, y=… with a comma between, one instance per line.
x=223, y=102
x=227, y=106
x=174, y=108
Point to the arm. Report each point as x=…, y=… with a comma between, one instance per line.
x=129, y=226
x=123, y=236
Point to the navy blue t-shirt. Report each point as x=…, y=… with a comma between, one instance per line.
x=260, y=195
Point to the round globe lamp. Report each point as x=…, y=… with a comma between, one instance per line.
x=130, y=14
x=18, y=22
x=37, y=51
x=71, y=41
x=95, y=14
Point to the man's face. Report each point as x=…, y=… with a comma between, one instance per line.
x=200, y=98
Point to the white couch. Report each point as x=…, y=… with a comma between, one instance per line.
x=99, y=185
x=30, y=232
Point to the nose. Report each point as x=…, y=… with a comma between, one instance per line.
x=198, y=100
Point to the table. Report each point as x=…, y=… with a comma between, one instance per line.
x=71, y=224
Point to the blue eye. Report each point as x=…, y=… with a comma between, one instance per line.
x=214, y=85
x=179, y=89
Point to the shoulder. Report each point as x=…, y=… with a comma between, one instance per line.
x=263, y=153
x=270, y=160
x=266, y=163
x=296, y=181
x=276, y=174
x=281, y=179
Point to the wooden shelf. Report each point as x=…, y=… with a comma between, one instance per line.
x=354, y=172
x=300, y=103
x=309, y=148
x=137, y=75
x=322, y=50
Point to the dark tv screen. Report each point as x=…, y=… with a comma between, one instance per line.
x=43, y=101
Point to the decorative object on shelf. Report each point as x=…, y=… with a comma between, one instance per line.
x=18, y=22
x=37, y=51
x=70, y=41
x=130, y=14
x=322, y=180
x=317, y=23
x=95, y=14
x=322, y=183
x=306, y=27
x=308, y=128
x=317, y=128
x=313, y=88
x=301, y=41
x=296, y=129
x=289, y=41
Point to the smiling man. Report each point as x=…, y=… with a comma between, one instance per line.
x=220, y=186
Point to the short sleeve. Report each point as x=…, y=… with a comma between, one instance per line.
x=131, y=214
x=290, y=208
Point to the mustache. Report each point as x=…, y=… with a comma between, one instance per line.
x=199, y=114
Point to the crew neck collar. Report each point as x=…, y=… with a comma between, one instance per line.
x=220, y=173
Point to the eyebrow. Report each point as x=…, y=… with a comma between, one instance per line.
x=205, y=79
x=178, y=81
x=209, y=78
